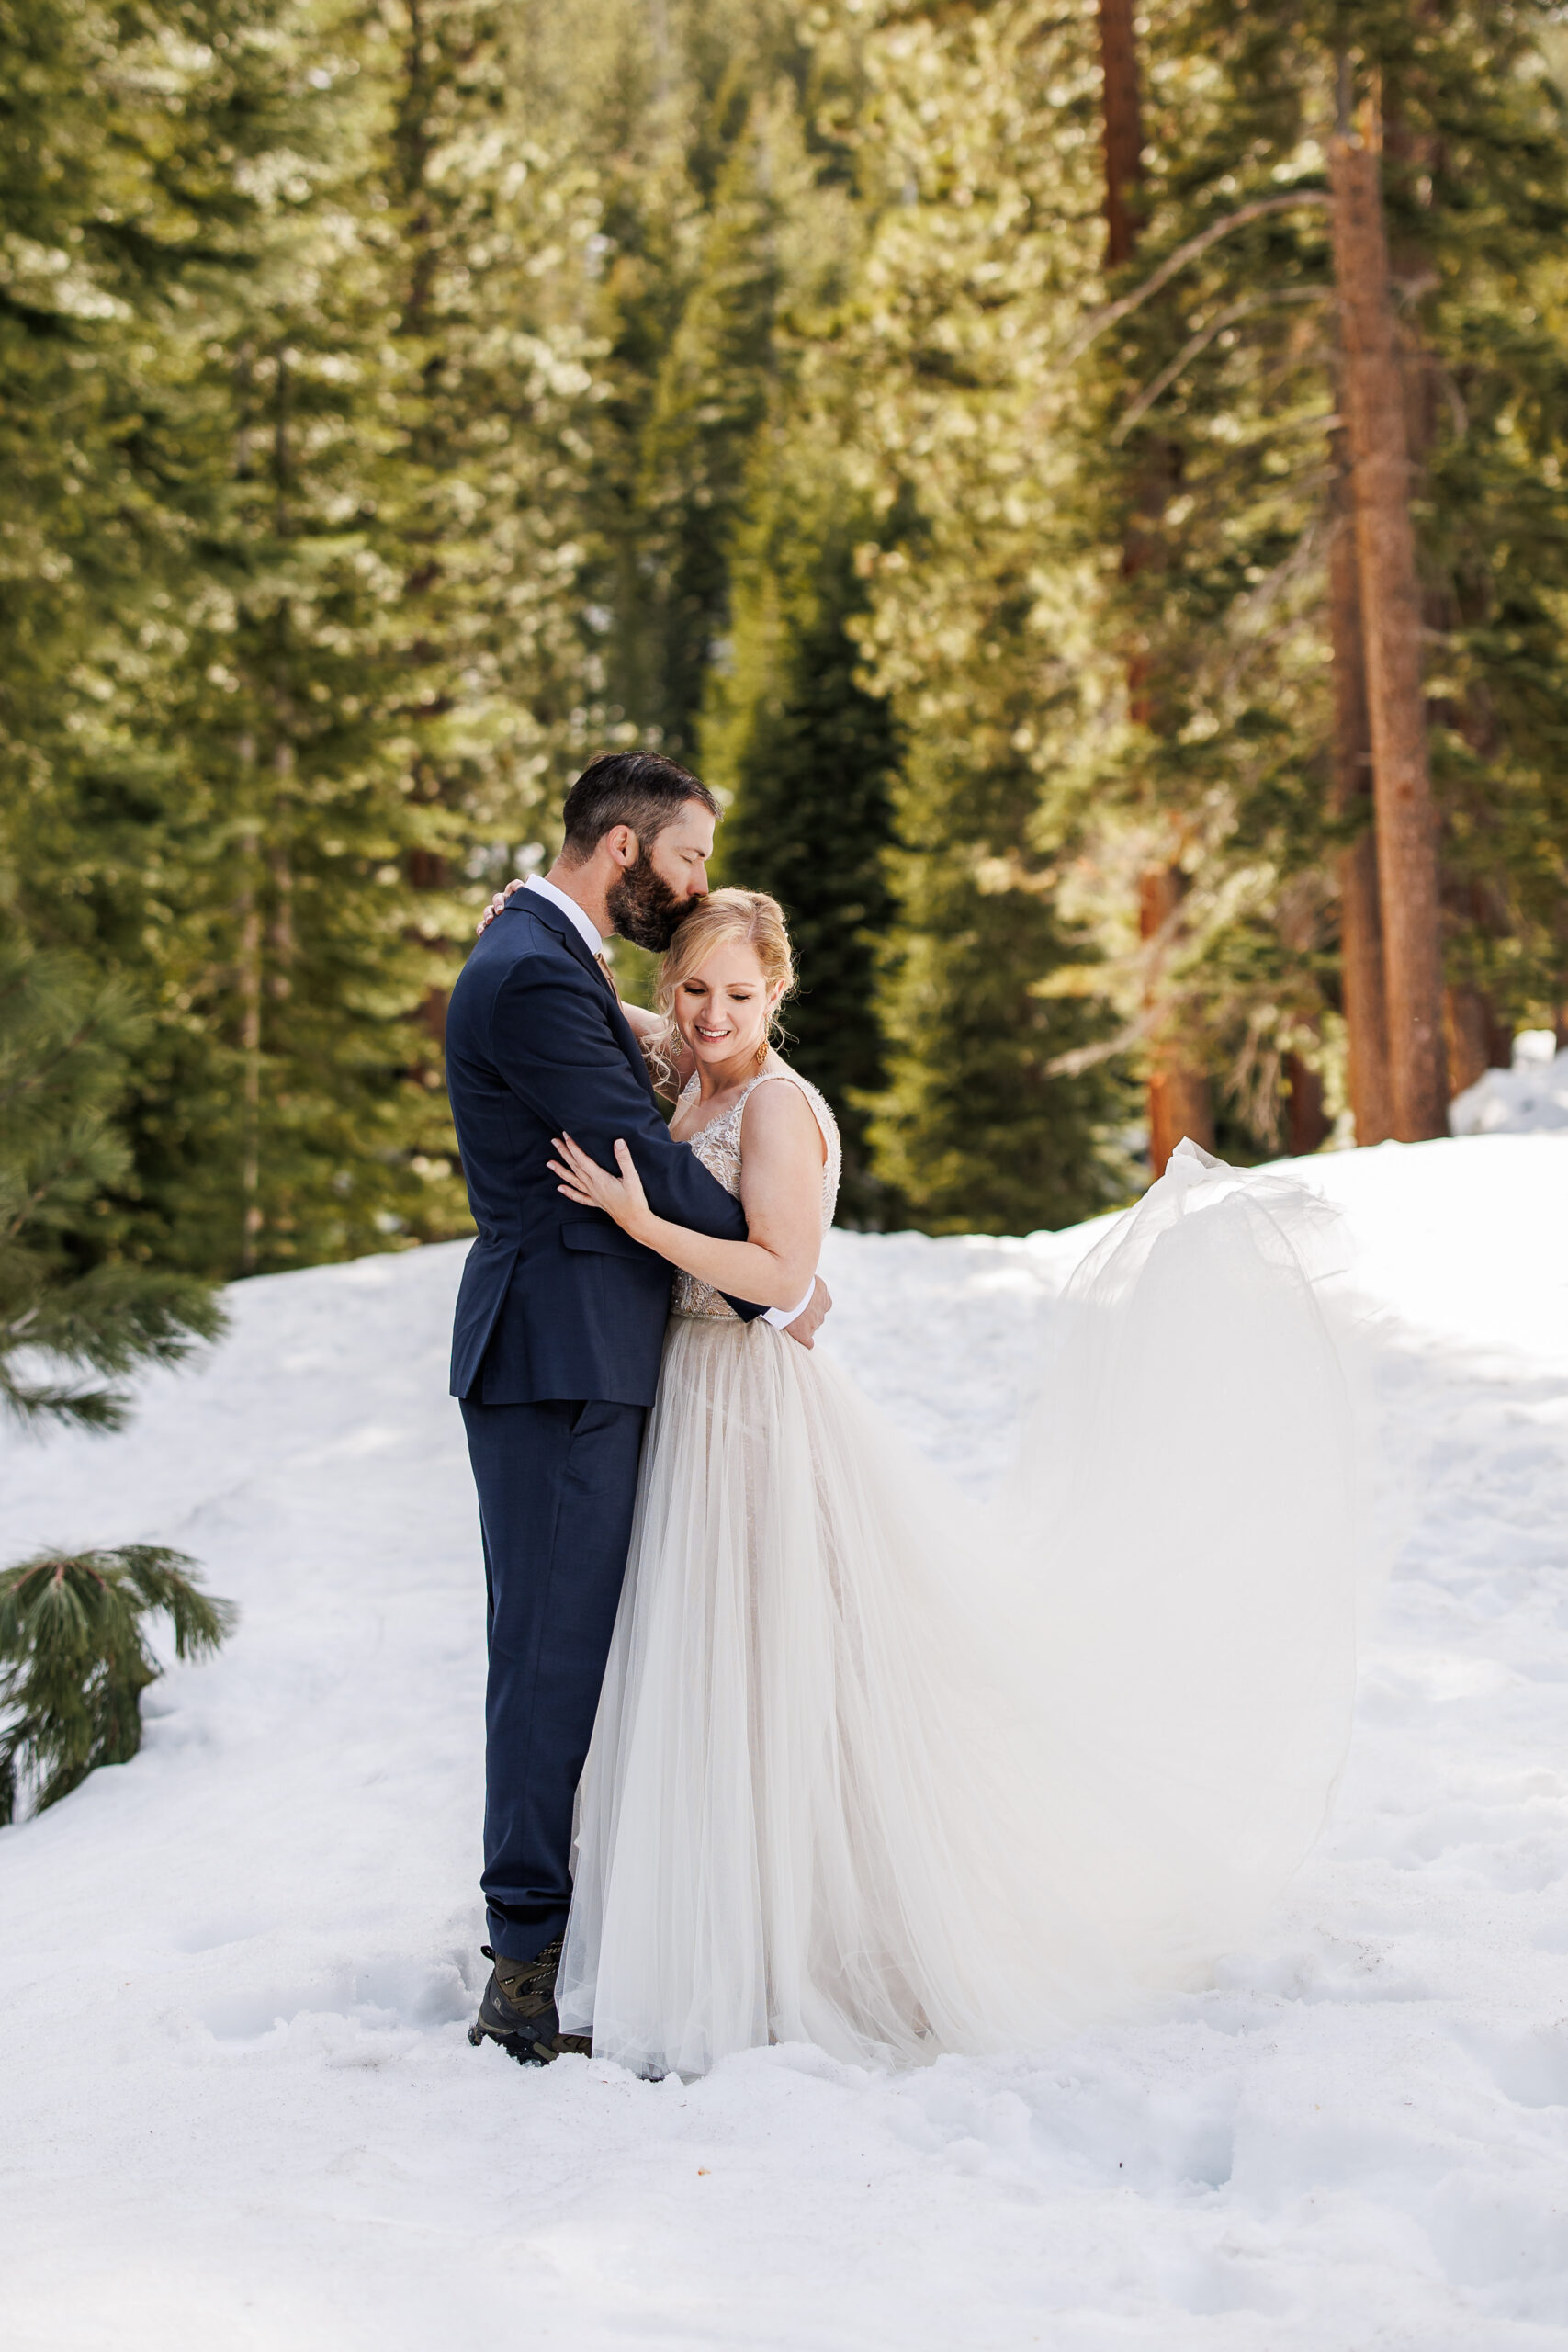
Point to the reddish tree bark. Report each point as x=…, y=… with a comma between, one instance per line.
x=1177, y=1096
x=1306, y=1121
x=1390, y=614
x=1178, y=1100
x=1360, y=919
x=1121, y=117
x=1476, y=1040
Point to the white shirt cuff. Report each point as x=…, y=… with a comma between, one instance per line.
x=781, y=1317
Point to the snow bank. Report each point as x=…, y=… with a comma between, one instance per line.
x=238, y=2105
x=1529, y=1098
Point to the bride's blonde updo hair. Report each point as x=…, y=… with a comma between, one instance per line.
x=722, y=918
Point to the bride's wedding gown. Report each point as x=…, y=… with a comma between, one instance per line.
x=880, y=1770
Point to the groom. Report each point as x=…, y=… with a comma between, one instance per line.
x=560, y=1324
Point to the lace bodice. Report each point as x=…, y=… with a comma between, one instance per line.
x=717, y=1146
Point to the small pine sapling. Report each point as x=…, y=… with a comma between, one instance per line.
x=74, y=1660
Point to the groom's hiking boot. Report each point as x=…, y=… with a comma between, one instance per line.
x=518, y=2009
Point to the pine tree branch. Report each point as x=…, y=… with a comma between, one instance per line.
x=1149, y=962
x=54, y=1179
x=36, y=1080
x=75, y=1660
x=110, y=1321
x=104, y=1410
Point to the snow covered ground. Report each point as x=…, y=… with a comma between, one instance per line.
x=237, y=2105
x=1530, y=1097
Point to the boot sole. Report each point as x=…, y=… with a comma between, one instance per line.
x=527, y=2053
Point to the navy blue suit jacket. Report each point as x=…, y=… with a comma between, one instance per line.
x=556, y=1300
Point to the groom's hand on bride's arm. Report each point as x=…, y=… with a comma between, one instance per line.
x=809, y=1321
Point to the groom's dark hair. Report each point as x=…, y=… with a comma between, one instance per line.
x=636, y=788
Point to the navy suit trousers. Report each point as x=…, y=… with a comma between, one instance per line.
x=557, y=1485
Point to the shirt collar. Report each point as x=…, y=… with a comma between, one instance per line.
x=572, y=912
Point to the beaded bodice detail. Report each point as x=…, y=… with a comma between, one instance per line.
x=717, y=1146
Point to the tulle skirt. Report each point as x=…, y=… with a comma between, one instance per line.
x=883, y=1770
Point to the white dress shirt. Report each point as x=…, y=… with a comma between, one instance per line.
x=571, y=910
x=779, y=1316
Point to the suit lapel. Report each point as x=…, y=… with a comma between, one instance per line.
x=533, y=902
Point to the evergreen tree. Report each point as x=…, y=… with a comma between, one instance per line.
x=493, y=209
x=76, y=1316
x=710, y=398
x=225, y=808
x=1236, y=368
x=77, y=1310
x=714, y=224
x=811, y=761
x=985, y=1126
x=399, y=404
x=1004, y=1105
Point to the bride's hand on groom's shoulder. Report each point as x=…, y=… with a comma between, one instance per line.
x=593, y=1187
x=495, y=906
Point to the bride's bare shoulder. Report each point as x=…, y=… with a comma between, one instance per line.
x=779, y=1117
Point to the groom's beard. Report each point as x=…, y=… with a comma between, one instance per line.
x=643, y=906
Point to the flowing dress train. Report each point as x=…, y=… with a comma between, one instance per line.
x=880, y=1770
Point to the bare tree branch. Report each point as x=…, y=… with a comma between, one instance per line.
x=1082, y=1057
x=1149, y=962
x=1200, y=341
x=1096, y=324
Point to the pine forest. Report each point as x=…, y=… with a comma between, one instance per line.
x=1085, y=485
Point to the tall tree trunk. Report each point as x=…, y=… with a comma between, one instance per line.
x=1476, y=1040
x=1122, y=129
x=435, y=42
x=1391, y=612
x=280, y=928
x=1360, y=919
x=1306, y=1121
x=1179, y=1102
x=1178, y=1094
x=249, y=975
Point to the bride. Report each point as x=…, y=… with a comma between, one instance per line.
x=882, y=1771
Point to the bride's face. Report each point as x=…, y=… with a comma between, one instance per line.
x=722, y=1008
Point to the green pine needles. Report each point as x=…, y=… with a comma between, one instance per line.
x=74, y=1660
x=74, y=1317
x=71, y=1304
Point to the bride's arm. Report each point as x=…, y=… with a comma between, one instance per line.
x=781, y=1192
